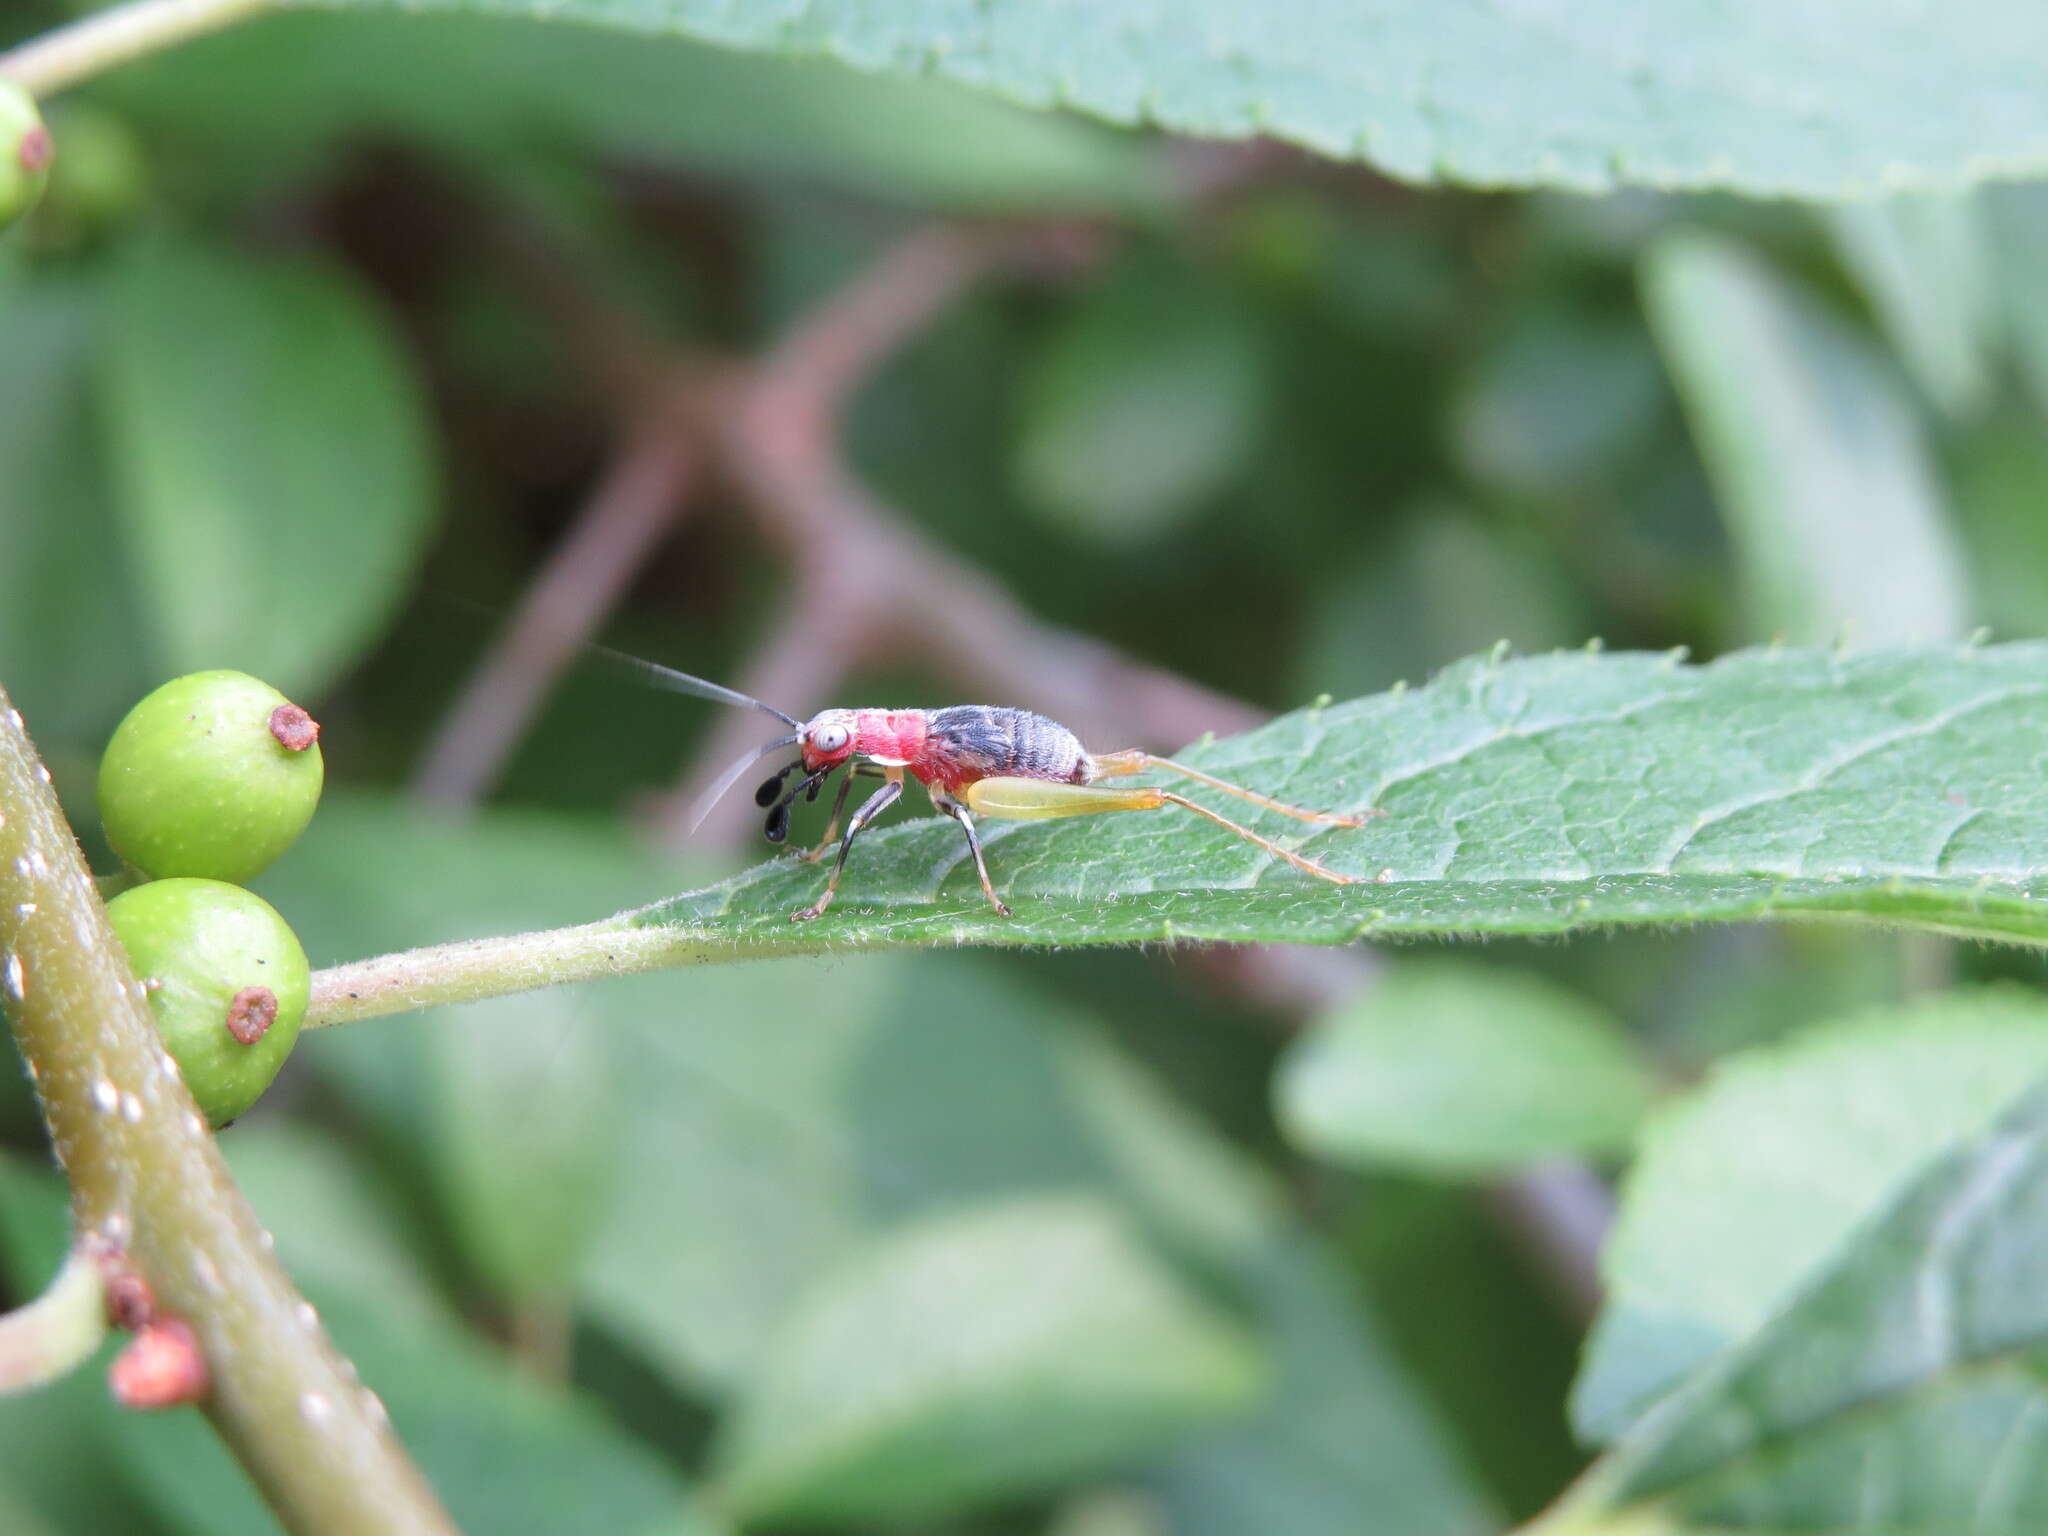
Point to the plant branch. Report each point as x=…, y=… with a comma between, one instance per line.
x=873, y=583
x=1560, y=1212
x=632, y=508
x=148, y=1181
x=96, y=43
x=476, y=969
x=866, y=583
x=58, y=1331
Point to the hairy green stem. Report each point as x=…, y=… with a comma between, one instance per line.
x=59, y=1330
x=147, y=1179
x=95, y=43
x=476, y=969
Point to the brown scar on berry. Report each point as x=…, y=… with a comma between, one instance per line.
x=37, y=149
x=251, y=1013
x=294, y=729
x=162, y=1367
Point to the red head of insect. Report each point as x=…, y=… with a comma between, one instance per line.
x=825, y=744
x=828, y=739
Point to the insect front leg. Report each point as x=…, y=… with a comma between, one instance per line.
x=958, y=812
x=1032, y=799
x=861, y=770
x=882, y=799
x=1115, y=764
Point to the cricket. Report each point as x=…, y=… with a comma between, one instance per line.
x=973, y=760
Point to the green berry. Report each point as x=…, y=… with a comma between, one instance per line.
x=25, y=152
x=226, y=979
x=213, y=776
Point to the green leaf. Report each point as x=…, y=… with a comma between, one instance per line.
x=53, y=1458
x=1750, y=96
x=506, y=1454
x=1536, y=796
x=271, y=454
x=68, y=637
x=774, y=1121
x=1497, y=1354
x=1144, y=404
x=1559, y=396
x=1745, y=1188
x=1341, y=1428
x=1817, y=457
x=1904, y=1391
x=1332, y=1440
x=1444, y=583
x=2001, y=487
x=307, y=86
x=337, y=1228
x=1925, y=263
x=1002, y=1349
x=2018, y=217
x=524, y=1140
x=1462, y=1068
x=804, y=1110
x=508, y=1114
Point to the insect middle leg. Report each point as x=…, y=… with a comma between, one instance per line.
x=877, y=803
x=1115, y=764
x=1031, y=799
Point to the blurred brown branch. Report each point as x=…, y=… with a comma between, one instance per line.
x=634, y=505
x=865, y=584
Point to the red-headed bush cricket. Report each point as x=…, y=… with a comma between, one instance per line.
x=973, y=760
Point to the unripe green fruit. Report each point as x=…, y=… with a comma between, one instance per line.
x=25, y=152
x=213, y=776
x=216, y=960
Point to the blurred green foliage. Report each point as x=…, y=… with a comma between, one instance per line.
x=1742, y=94
x=981, y=1244
x=1744, y=1188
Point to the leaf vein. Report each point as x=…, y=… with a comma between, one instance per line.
x=1818, y=777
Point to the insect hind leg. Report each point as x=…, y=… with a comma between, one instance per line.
x=1307, y=866
x=958, y=812
x=1034, y=799
x=1115, y=764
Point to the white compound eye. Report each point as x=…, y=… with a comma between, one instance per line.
x=830, y=738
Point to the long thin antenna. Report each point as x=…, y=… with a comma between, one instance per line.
x=683, y=682
x=653, y=671
x=733, y=775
